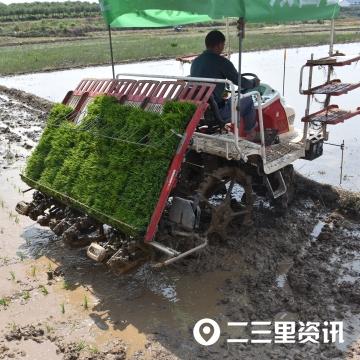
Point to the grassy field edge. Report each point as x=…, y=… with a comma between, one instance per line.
x=40, y=57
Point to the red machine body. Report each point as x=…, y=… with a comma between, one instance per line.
x=274, y=117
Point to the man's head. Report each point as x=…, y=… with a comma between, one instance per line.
x=215, y=41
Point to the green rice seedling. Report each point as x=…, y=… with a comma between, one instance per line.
x=33, y=271
x=66, y=285
x=86, y=303
x=93, y=349
x=44, y=290
x=26, y=295
x=12, y=274
x=62, y=308
x=36, y=162
x=81, y=345
x=4, y=302
x=49, y=328
x=99, y=163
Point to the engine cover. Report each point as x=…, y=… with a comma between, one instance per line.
x=274, y=113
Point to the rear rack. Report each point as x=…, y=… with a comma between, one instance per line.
x=331, y=115
x=335, y=60
x=334, y=88
x=188, y=59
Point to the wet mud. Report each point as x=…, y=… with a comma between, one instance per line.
x=55, y=303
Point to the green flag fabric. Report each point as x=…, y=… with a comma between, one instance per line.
x=160, y=13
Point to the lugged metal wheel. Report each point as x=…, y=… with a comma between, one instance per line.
x=225, y=197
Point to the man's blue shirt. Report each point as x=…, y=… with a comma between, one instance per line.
x=212, y=65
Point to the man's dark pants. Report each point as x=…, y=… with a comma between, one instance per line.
x=247, y=112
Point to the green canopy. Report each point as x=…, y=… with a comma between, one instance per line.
x=159, y=13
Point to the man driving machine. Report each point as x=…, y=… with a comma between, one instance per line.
x=210, y=64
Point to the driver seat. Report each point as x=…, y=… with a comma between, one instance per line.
x=212, y=117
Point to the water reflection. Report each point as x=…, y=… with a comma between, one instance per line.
x=36, y=238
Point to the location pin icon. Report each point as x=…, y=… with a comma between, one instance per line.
x=206, y=332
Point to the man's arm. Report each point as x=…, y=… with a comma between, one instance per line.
x=232, y=74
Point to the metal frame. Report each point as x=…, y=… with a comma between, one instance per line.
x=261, y=121
x=111, y=52
x=332, y=38
x=179, y=256
x=173, y=171
x=308, y=100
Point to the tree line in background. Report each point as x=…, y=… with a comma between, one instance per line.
x=351, y=11
x=48, y=10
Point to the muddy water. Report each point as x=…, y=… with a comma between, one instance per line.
x=147, y=309
x=269, y=67
x=131, y=308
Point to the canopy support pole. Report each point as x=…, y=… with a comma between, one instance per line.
x=284, y=72
x=332, y=37
x=331, y=53
x=241, y=28
x=228, y=38
x=111, y=53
